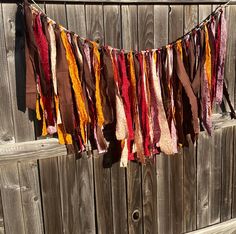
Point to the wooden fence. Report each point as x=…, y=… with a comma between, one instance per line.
x=44, y=191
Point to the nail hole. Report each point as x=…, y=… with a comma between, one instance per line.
x=136, y=215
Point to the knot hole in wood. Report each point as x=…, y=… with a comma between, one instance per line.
x=136, y=215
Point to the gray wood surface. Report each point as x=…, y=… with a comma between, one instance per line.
x=23, y=127
x=143, y=1
x=176, y=29
x=234, y=180
x=31, y=150
x=31, y=197
x=51, y=196
x=227, y=173
x=6, y=115
x=228, y=227
x=133, y=179
x=85, y=204
x=189, y=154
x=2, y=228
x=112, y=32
x=103, y=195
x=69, y=194
x=230, y=72
x=11, y=199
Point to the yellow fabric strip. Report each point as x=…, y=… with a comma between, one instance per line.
x=208, y=58
x=38, y=116
x=44, y=128
x=76, y=85
x=179, y=48
x=96, y=65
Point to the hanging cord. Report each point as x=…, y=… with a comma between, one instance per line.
x=203, y=22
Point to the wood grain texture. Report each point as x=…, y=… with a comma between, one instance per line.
x=134, y=187
x=2, y=228
x=227, y=173
x=149, y=188
x=134, y=196
x=228, y=227
x=146, y=26
x=162, y=161
x=189, y=154
x=149, y=194
x=112, y=25
x=11, y=199
x=160, y=25
x=23, y=127
x=31, y=197
x=129, y=27
x=203, y=177
x=31, y=150
x=103, y=195
x=86, y=202
x=112, y=32
x=215, y=143
x=51, y=199
x=190, y=188
x=143, y=1
x=94, y=23
x=57, y=12
x=176, y=28
x=234, y=178
x=6, y=118
x=76, y=18
x=69, y=194
x=230, y=70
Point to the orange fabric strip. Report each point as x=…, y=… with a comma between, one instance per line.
x=96, y=65
x=76, y=85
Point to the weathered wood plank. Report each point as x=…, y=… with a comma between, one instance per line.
x=190, y=188
x=176, y=29
x=30, y=196
x=162, y=168
x=146, y=26
x=203, y=160
x=149, y=188
x=129, y=27
x=215, y=177
x=31, y=150
x=134, y=189
x=234, y=180
x=230, y=73
x=57, y=12
x=94, y=23
x=224, y=227
x=23, y=127
x=134, y=194
x=6, y=127
x=11, y=199
x=189, y=154
x=149, y=194
x=51, y=199
x=103, y=193
x=203, y=176
x=160, y=26
x=76, y=18
x=69, y=194
x=2, y=228
x=84, y=166
x=112, y=31
x=86, y=203
x=143, y=1
x=227, y=173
